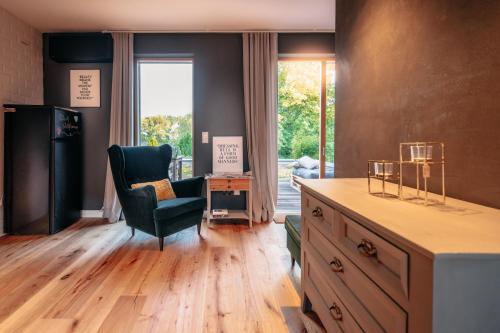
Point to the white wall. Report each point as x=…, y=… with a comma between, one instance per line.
x=21, y=72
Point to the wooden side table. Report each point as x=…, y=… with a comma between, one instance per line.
x=230, y=183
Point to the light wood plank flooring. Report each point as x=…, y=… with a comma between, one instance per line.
x=93, y=277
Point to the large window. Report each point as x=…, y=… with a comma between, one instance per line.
x=306, y=124
x=329, y=90
x=166, y=107
x=306, y=112
x=299, y=85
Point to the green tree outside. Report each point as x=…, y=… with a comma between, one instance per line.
x=299, y=88
x=174, y=130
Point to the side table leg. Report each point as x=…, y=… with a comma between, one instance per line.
x=209, y=203
x=249, y=206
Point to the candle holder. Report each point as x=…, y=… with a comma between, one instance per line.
x=419, y=155
x=383, y=171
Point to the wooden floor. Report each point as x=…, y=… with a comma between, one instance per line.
x=93, y=277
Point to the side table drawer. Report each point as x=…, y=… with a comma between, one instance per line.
x=229, y=184
x=382, y=261
x=239, y=184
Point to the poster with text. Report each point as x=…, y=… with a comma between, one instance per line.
x=85, y=88
x=227, y=156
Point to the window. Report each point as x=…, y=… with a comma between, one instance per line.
x=165, y=99
x=329, y=91
x=306, y=124
x=306, y=111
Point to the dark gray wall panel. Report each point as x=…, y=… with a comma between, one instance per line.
x=95, y=121
x=311, y=43
x=218, y=105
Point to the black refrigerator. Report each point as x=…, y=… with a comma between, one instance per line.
x=43, y=168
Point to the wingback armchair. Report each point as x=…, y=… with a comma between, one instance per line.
x=131, y=165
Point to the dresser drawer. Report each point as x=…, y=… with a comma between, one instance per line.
x=334, y=315
x=319, y=214
x=229, y=184
x=377, y=312
x=382, y=261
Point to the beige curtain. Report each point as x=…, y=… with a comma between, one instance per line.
x=260, y=59
x=122, y=115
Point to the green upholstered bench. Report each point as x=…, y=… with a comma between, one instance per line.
x=292, y=226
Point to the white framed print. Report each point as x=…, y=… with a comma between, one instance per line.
x=85, y=88
x=227, y=155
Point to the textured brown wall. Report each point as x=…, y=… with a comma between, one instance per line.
x=421, y=70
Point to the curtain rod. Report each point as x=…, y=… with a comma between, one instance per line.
x=219, y=31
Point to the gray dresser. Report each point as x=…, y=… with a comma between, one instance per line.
x=374, y=264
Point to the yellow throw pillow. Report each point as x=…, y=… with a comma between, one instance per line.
x=163, y=189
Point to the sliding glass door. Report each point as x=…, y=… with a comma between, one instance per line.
x=306, y=124
x=327, y=127
x=306, y=112
x=165, y=101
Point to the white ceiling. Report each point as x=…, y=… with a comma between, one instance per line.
x=174, y=15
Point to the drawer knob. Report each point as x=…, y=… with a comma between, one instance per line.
x=336, y=312
x=336, y=265
x=367, y=248
x=317, y=212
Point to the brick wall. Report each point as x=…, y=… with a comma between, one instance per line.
x=21, y=77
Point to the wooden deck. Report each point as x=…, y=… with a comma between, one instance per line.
x=288, y=198
x=94, y=277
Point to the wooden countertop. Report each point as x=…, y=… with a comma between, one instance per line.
x=459, y=227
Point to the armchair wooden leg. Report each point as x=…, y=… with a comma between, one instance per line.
x=199, y=228
x=293, y=262
x=132, y=229
x=160, y=240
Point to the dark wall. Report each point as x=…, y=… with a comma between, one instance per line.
x=309, y=43
x=95, y=121
x=421, y=70
x=218, y=105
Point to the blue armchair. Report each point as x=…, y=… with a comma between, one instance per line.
x=131, y=165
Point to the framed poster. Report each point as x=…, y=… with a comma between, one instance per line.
x=227, y=156
x=85, y=88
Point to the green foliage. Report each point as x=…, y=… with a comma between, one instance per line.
x=330, y=113
x=298, y=115
x=305, y=145
x=174, y=130
x=186, y=144
x=299, y=88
